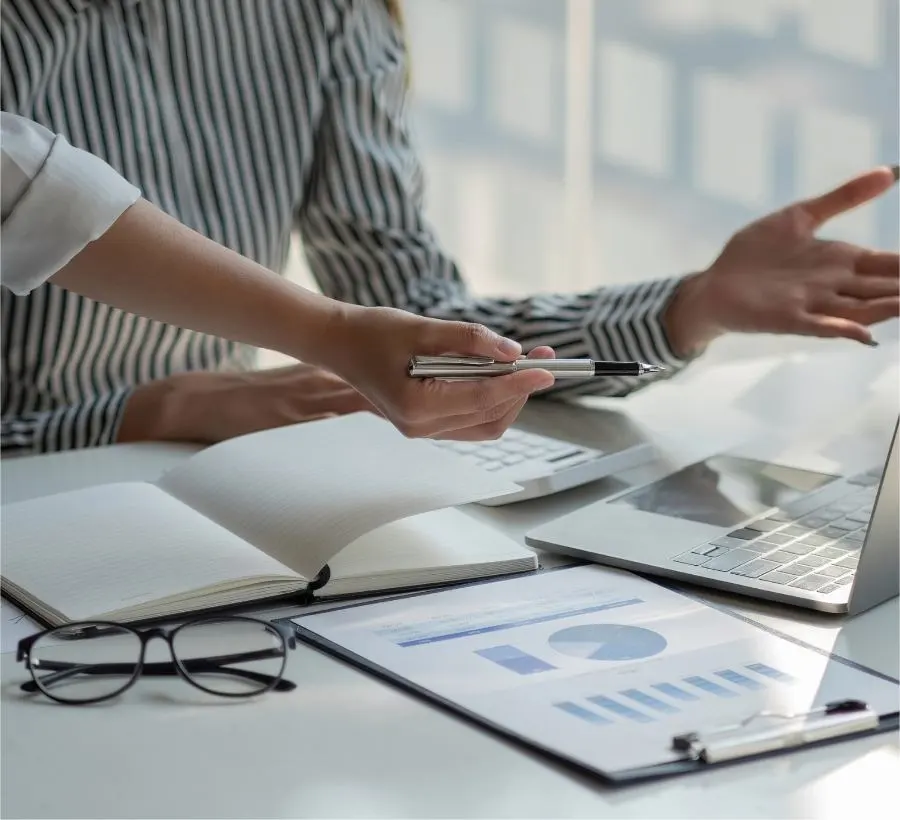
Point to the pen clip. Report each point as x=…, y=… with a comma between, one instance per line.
x=754, y=736
x=473, y=361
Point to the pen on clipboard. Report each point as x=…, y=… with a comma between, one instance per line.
x=470, y=367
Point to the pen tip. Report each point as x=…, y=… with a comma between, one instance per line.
x=895, y=170
x=653, y=368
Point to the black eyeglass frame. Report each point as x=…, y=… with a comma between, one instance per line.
x=176, y=666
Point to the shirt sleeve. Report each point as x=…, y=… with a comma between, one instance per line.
x=55, y=200
x=367, y=240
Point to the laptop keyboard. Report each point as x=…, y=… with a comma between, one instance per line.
x=817, y=552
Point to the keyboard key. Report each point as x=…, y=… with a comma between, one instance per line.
x=814, y=521
x=853, y=537
x=831, y=553
x=795, y=569
x=831, y=533
x=779, y=515
x=812, y=561
x=755, y=568
x=709, y=550
x=778, y=577
x=845, y=524
x=728, y=543
x=815, y=540
x=732, y=559
x=776, y=538
x=831, y=572
x=491, y=465
x=850, y=562
x=794, y=530
x=798, y=548
x=828, y=588
x=859, y=517
x=512, y=458
x=845, y=580
x=757, y=546
x=811, y=582
x=744, y=534
x=781, y=556
x=692, y=558
x=764, y=525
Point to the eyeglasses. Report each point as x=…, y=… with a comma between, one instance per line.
x=93, y=661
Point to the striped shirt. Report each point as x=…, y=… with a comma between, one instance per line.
x=246, y=119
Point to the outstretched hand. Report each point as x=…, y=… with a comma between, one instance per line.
x=372, y=348
x=776, y=276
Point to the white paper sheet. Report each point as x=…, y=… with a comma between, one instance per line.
x=14, y=625
x=598, y=665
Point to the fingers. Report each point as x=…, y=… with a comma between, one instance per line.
x=851, y=194
x=487, y=431
x=869, y=287
x=834, y=327
x=482, y=397
x=467, y=339
x=862, y=311
x=878, y=263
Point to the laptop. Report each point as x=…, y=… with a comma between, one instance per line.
x=795, y=536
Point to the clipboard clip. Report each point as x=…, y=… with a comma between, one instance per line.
x=778, y=731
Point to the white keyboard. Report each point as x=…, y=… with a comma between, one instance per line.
x=539, y=464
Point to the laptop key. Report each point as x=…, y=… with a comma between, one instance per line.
x=828, y=588
x=744, y=534
x=776, y=577
x=831, y=533
x=775, y=538
x=812, y=561
x=728, y=543
x=798, y=548
x=755, y=568
x=845, y=580
x=850, y=562
x=732, y=559
x=757, y=546
x=814, y=521
x=811, y=582
x=780, y=556
x=854, y=537
x=815, y=540
x=692, y=558
x=831, y=572
x=764, y=525
x=795, y=569
x=795, y=530
x=831, y=553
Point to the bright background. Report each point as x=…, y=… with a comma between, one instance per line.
x=575, y=143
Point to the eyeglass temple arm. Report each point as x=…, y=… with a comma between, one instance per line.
x=195, y=665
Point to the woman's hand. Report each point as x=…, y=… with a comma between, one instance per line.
x=776, y=276
x=371, y=349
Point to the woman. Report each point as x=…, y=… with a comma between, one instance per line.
x=245, y=120
x=70, y=218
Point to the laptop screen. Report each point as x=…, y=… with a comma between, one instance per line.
x=724, y=490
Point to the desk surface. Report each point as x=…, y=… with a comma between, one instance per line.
x=344, y=744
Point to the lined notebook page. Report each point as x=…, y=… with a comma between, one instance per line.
x=304, y=492
x=104, y=548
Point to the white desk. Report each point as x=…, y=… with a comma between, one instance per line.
x=346, y=745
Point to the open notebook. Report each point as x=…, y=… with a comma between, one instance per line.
x=337, y=507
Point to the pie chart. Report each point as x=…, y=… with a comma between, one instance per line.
x=607, y=642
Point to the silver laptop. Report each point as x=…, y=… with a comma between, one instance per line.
x=819, y=541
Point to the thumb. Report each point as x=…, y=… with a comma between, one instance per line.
x=851, y=194
x=468, y=339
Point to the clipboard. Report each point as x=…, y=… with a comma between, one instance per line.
x=761, y=735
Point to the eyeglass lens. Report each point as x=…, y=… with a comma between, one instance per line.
x=86, y=662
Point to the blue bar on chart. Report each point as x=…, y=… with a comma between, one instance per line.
x=672, y=691
x=741, y=680
x=620, y=709
x=769, y=672
x=580, y=712
x=708, y=686
x=514, y=659
x=649, y=701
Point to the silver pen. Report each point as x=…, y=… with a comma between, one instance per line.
x=471, y=367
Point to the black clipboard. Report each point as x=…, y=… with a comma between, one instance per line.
x=761, y=736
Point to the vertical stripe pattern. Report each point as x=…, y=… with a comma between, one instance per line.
x=245, y=119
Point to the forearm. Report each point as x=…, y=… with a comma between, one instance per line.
x=150, y=264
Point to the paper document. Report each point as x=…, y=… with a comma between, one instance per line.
x=14, y=625
x=597, y=665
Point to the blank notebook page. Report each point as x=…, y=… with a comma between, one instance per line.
x=303, y=492
x=104, y=548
